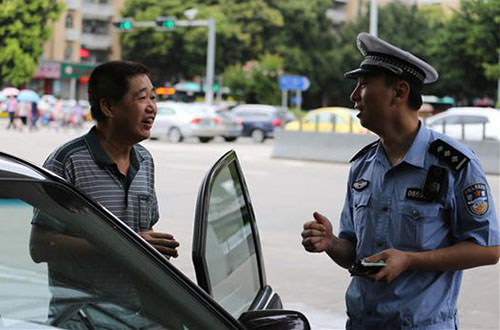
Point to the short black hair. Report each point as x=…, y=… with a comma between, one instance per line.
x=110, y=81
x=415, y=96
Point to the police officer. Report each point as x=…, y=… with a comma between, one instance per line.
x=417, y=202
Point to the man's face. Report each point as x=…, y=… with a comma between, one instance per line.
x=372, y=98
x=136, y=111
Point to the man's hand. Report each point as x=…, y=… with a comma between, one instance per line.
x=163, y=242
x=317, y=234
x=396, y=263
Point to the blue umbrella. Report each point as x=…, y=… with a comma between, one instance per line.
x=3, y=98
x=27, y=95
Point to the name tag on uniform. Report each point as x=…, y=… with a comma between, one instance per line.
x=416, y=194
x=360, y=184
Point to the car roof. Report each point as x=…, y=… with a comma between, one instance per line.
x=13, y=167
x=468, y=111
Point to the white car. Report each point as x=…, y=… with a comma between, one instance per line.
x=177, y=121
x=467, y=123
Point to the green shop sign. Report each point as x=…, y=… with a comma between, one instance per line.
x=73, y=70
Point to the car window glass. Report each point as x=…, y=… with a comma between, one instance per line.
x=62, y=264
x=231, y=257
x=472, y=120
x=446, y=120
x=312, y=118
x=166, y=111
x=325, y=118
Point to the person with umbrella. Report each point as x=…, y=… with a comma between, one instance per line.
x=12, y=107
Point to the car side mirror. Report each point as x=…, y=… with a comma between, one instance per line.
x=274, y=319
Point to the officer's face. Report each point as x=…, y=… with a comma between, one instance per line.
x=372, y=98
x=137, y=110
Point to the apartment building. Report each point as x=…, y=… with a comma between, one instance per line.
x=82, y=37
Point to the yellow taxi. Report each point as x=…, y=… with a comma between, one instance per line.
x=330, y=119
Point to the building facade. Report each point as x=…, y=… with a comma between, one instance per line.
x=82, y=37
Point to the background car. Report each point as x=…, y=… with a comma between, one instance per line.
x=331, y=119
x=259, y=120
x=177, y=121
x=467, y=123
x=100, y=274
x=228, y=125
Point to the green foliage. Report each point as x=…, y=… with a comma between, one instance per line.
x=242, y=30
x=465, y=50
x=257, y=81
x=463, y=45
x=23, y=30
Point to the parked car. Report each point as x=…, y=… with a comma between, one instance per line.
x=330, y=119
x=467, y=123
x=177, y=121
x=108, y=277
x=228, y=125
x=259, y=120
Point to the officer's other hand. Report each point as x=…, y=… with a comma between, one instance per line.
x=165, y=243
x=317, y=234
x=396, y=262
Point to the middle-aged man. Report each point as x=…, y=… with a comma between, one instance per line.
x=107, y=163
x=416, y=199
x=110, y=167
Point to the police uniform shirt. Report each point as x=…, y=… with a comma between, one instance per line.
x=385, y=208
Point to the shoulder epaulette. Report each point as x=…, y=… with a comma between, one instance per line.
x=451, y=156
x=363, y=151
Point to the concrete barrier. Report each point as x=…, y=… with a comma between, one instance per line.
x=335, y=147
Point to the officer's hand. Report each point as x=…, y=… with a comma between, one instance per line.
x=317, y=234
x=163, y=242
x=396, y=262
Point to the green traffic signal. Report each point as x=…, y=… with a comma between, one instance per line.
x=124, y=25
x=167, y=23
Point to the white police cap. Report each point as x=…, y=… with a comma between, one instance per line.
x=381, y=55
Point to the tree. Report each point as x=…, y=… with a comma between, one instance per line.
x=242, y=27
x=23, y=30
x=256, y=81
x=466, y=51
x=399, y=24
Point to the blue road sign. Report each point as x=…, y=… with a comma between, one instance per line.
x=294, y=82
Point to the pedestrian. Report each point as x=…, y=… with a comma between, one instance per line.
x=12, y=107
x=110, y=166
x=33, y=116
x=23, y=114
x=417, y=202
x=107, y=163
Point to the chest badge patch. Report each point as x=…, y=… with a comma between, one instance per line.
x=360, y=184
x=476, y=198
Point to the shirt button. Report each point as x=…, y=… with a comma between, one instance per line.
x=385, y=209
x=415, y=213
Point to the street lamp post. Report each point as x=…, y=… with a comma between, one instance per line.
x=373, y=18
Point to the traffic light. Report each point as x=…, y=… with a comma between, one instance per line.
x=166, y=23
x=124, y=25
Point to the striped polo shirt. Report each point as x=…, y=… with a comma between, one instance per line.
x=85, y=164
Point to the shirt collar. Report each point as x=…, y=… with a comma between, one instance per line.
x=415, y=155
x=418, y=149
x=101, y=157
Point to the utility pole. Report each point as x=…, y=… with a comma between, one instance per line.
x=373, y=18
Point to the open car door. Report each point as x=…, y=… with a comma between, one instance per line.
x=227, y=254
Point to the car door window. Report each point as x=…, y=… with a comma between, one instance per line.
x=166, y=111
x=226, y=246
x=68, y=263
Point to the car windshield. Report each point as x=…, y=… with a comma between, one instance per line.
x=66, y=263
